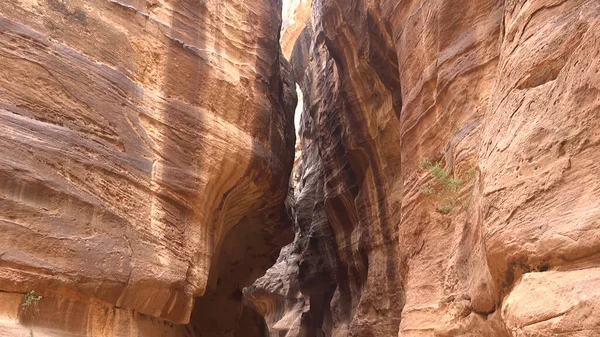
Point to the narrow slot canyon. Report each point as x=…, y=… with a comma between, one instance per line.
x=300, y=168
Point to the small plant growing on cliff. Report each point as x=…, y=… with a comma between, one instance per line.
x=30, y=300
x=446, y=186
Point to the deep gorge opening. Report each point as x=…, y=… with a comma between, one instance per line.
x=321, y=272
x=147, y=147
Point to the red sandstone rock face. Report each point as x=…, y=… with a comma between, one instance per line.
x=510, y=89
x=147, y=145
x=277, y=296
x=145, y=153
x=295, y=15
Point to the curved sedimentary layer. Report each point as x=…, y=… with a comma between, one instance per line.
x=145, y=151
x=505, y=96
x=348, y=245
x=295, y=16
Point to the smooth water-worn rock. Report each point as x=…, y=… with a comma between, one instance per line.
x=295, y=15
x=447, y=181
x=506, y=96
x=145, y=154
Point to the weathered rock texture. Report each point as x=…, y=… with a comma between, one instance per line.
x=295, y=15
x=277, y=296
x=510, y=89
x=145, y=153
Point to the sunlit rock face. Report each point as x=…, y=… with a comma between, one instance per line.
x=506, y=90
x=145, y=153
x=295, y=15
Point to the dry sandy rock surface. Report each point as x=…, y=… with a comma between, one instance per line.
x=445, y=179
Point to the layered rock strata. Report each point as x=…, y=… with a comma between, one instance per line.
x=505, y=95
x=295, y=15
x=145, y=153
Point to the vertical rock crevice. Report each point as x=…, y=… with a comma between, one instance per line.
x=388, y=84
x=345, y=250
x=147, y=147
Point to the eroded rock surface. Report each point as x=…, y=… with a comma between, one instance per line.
x=147, y=147
x=145, y=153
x=295, y=15
x=506, y=90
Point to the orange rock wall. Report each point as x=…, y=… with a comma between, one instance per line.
x=295, y=15
x=506, y=89
x=145, y=152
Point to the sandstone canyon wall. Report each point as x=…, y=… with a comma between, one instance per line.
x=295, y=14
x=145, y=153
x=506, y=92
x=147, y=146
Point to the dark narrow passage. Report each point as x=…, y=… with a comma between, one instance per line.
x=343, y=261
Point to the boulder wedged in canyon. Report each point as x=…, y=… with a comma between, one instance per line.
x=145, y=155
x=505, y=95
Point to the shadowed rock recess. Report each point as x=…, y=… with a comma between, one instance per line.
x=147, y=147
